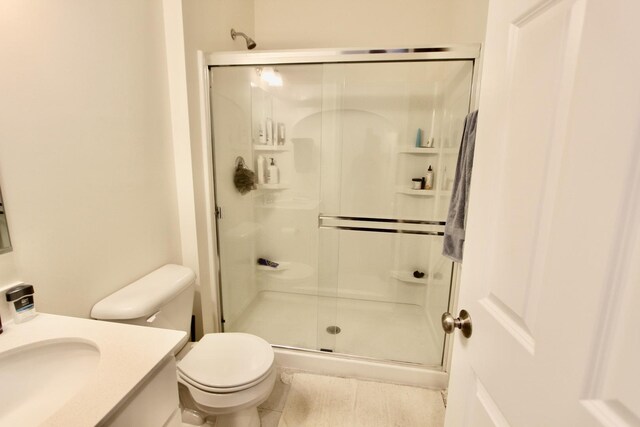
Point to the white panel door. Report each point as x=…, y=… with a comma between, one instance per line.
x=551, y=276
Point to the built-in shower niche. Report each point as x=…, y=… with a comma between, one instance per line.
x=360, y=270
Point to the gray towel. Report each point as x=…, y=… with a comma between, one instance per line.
x=454, y=230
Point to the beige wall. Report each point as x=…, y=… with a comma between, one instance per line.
x=86, y=160
x=8, y=273
x=289, y=24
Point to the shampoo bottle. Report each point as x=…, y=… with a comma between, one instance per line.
x=269, y=124
x=281, y=135
x=273, y=174
x=261, y=170
x=428, y=185
x=262, y=139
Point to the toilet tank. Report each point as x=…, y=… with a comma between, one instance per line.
x=161, y=299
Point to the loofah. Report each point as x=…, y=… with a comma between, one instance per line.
x=244, y=179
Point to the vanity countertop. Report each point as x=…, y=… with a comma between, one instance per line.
x=128, y=355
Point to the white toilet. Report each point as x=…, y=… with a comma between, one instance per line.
x=227, y=375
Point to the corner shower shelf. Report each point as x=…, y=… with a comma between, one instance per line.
x=288, y=271
x=282, y=266
x=267, y=147
x=411, y=192
x=423, y=193
x=419, y=150
x=407, y=277
x=272, y=186
x=424, y=150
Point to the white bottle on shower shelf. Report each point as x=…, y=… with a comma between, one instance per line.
x=273, y=173
x=429, y=179
x=269, y=125
x=262, y=139
x=281, y=138
x=261, y=169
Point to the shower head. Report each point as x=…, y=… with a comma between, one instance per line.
x=250, y=43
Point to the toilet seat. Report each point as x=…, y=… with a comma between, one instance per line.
x=210, y=389
x=227, y=362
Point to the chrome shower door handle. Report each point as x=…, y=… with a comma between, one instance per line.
x=449, y=324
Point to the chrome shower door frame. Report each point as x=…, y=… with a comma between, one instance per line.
x=322, y=56
x=451, y=52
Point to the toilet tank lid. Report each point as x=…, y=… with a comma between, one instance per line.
x=146, y=295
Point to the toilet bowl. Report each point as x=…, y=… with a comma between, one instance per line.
x=229, y=375
x=226, y=374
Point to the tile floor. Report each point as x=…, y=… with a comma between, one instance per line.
x=316, y=400
x=271, y=410
x=308, y=400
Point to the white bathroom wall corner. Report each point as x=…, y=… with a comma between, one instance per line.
x=174, y=39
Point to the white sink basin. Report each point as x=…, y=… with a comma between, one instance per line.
x=59, y=371
x=39, y=378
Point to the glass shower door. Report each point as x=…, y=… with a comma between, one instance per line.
x=236, y=226
x=355, y=247
x=386, y=127
x=269, y=236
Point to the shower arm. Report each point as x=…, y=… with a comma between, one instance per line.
x=250, y=42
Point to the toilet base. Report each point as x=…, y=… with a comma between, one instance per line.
x=244, y=418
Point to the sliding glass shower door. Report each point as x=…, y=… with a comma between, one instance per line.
x=337, y=248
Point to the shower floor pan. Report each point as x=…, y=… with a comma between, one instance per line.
x=378, y=330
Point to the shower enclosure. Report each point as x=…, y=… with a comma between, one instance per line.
x=354, y=229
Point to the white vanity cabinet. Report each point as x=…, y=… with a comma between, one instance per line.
x=153, y=403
